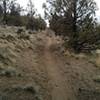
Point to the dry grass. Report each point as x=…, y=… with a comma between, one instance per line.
x=9, y=71
x=22, y=62
x=97, y=61
x=14, y=65
x=95, y=58
x=77, y=56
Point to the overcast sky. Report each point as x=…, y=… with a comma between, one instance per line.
x=98, y=12
x=38, y=5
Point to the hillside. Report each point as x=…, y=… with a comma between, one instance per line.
x=34, y=67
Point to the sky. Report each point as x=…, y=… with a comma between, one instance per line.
x=38, y=6
x=98, y=12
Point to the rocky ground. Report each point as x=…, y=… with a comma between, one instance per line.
x=34, y=66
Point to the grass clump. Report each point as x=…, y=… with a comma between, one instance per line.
x=97, y=62
x=7, y=56
x=33, y=89
x=9, y=71
x=97, y=79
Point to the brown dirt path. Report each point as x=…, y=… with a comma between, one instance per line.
x=61, y=88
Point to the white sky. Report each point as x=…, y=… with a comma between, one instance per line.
x=98, y=12
x=38, y=5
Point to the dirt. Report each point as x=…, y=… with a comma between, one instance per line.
x=46, y=74
x=61, y=88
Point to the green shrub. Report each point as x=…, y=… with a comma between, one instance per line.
x=15, y=21
x=36, y=24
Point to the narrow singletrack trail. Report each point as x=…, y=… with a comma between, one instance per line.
x=61, y=88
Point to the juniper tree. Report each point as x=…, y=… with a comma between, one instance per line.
x=73, y=18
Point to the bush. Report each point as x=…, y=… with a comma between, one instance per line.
x=36, y=24
x=14, y=20
x=9, y=72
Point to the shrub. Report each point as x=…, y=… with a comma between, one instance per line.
x=15, y=20
x=36, y=24
x=9, y=72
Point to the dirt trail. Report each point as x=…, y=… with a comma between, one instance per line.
x=61, y=88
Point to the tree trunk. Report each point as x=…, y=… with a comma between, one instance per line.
x=5, y=12
x=74, y=16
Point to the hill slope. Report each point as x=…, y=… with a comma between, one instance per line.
x=32, y=67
